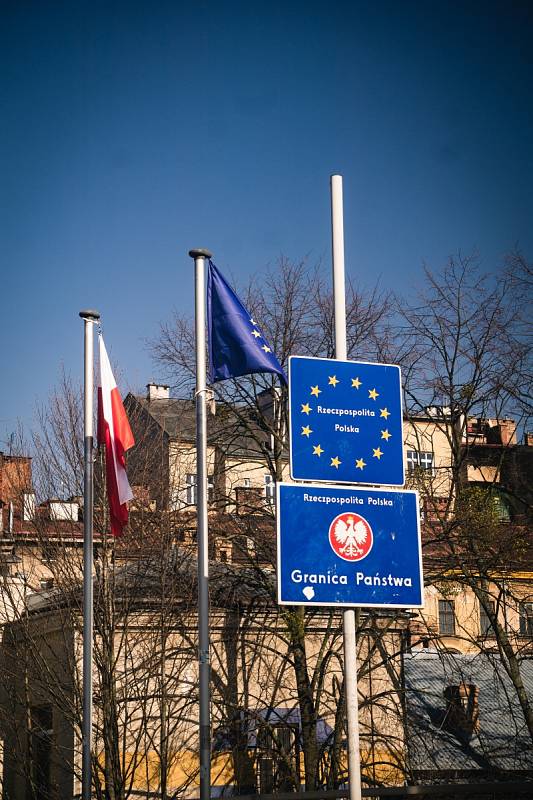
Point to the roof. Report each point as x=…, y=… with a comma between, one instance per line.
x=142, y=582
x=502, y=742
x=230, y=426
x=507, y=548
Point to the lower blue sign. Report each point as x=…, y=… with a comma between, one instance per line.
x=348, y=547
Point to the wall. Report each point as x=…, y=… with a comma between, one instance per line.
x=468, y=638
x=252, y=671
x=429, y=436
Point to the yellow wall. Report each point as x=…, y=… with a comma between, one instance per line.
x=250, y=657
x=429, y=436
x=468, y=638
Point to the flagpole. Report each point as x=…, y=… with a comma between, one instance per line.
x=204, y=668
x=90, y=318
x=349, y=615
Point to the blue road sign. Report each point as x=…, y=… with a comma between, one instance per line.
x=348, y=547
x=345, y=422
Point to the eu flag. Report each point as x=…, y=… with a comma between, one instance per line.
x=236, y=344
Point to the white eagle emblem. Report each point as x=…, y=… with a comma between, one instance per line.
x=350, y=536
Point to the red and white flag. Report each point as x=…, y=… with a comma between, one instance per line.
x=114, y=431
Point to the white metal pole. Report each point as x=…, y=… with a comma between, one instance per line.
x=204, y=668
x=89, y=319
x=339, y=290
x=349, y=622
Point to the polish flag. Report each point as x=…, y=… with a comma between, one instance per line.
x=114, y=431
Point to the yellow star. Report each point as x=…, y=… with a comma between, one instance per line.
x=256, y=334
x=306, y=408
x=373, y=394
x=317, y=451
x=253, y=321
x=306, y=430
x=377, y=453
x=315, y=390
x=266, y=348
x=356, y=383
x=333, y=380
x=384, y=413
x=386, y=435
x=360, y=464
x=335, y=462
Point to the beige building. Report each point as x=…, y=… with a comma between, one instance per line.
x=478, y=555
x=240, y=454
x=241, y=480
x=145, y=690
x=257, y=711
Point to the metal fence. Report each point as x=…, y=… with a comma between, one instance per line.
x=503, y=790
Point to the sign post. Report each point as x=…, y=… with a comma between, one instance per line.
x=349, y=622
x=337, y=546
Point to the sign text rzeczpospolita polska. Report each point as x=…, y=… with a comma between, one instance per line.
x=350, y=501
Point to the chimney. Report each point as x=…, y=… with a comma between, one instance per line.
x=15, y=477
x=502, y=432
x=157, y=391
x=462, y=710
x=476, y=429
x=62, y=511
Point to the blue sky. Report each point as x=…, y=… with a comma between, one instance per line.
x=134, y=131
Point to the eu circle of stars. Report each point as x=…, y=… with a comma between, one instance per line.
x=345, y=422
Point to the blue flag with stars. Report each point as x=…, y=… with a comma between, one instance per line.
x=236, y=345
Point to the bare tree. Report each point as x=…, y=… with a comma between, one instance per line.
x=142, y=602
x=295, y=310
x=466, y=356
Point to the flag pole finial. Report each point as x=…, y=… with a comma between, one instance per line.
x=90, y=314
x=199, y=253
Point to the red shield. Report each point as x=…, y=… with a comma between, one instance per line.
x=350, y=536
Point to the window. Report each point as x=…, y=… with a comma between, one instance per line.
x=419, y=459
x=525, y=611
x=425, y=460
x=50, y=551
x=191, y=494
x=266, y=775
x=446, y=617
x=278, y=757
x=412, y=460
x=485, y=624
x=40, y=752
x=270, y=489
x=246, y=482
